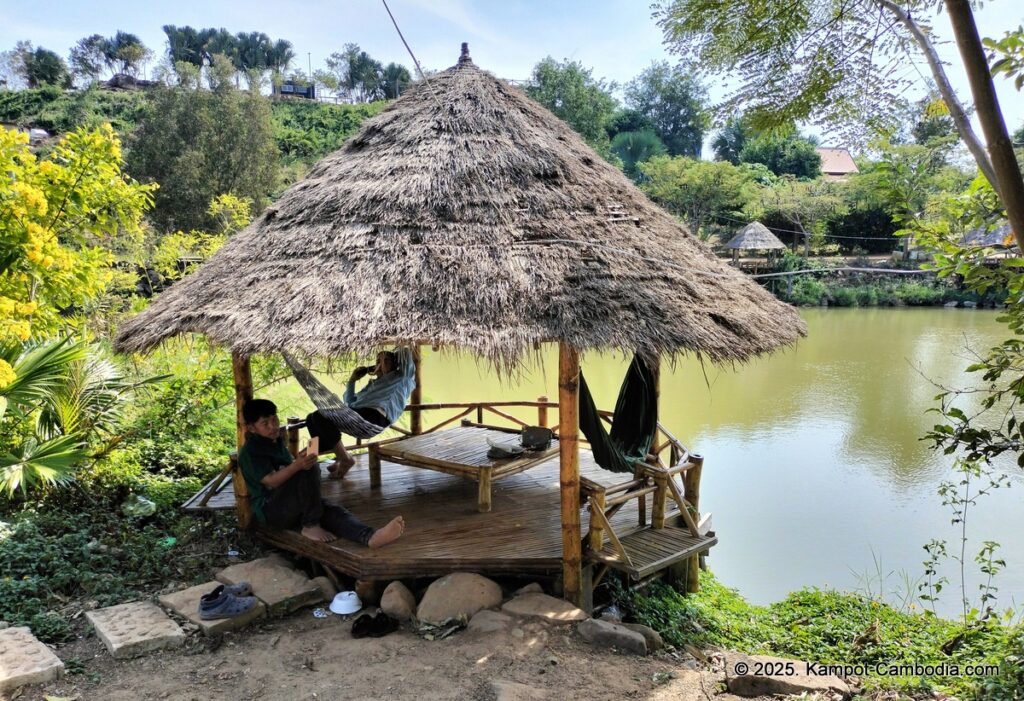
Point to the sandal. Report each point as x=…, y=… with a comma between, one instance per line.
x=240, y=589
x=221, y=604
x=367, y=626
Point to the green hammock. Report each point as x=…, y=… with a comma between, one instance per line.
x=634, y=422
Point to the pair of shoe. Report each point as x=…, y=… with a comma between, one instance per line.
x=226, y=601
x=367, y=626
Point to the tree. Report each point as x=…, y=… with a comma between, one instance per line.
x=730, y=140
x=635, y=147
x=628, y=119
x=45, y=67
x=805, y=206
x=198, y=144
x=702, y=192
x=86, y=57
x=394, y=80
x=674, y=102
x=835, y=62
x=359, y=76
x=59, y=215
x=784, y=154
x=125, y=53
x=576, y=97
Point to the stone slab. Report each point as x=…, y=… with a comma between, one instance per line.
x=787, y=677
x=489, y=622
x=283, y=589
x=543, y=606
x=616, y=635
x=186, y=603
x=25, y=660
x=130, y=630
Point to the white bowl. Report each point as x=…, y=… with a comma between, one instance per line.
x=346, y=602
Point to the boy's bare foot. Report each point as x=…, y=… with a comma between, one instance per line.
x=339, y=468
x=388, y=534
x=318, y=534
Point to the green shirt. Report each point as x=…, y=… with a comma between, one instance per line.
x=259, y=457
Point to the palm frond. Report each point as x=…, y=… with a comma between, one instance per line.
x=40, y=370
x=40, y=462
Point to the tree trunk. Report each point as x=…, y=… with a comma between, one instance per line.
x=956, y=109
x=1008, y=181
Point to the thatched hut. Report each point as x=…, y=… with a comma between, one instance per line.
x=755, y=236
x=467, y=216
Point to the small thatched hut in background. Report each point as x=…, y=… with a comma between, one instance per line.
x=755, y=236
x=467, y=216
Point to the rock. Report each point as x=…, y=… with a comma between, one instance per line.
x=489, y=622
x=185, y=603
x=130, y=630
x=502, y=690
x=326, y=587
x=951, y=305
x=457, y=595
x=279, y=586
x=531, y=588
x=607, y=634
x=970, y=305
x=788, y=677
x=368, y=591
x=398, y=601
x=546, y=607
x=25, y=660
x=653, y=637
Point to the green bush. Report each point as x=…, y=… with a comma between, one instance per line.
x=807, y=292
x=842, y=297
x=915, y=294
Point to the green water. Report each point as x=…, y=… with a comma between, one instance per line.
x=814, y=470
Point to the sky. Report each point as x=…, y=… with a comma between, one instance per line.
x=616, y=38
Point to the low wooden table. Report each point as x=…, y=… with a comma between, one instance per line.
x=458, y=451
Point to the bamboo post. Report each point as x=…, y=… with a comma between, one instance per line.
x=542, y=412
x=415, y=416
x=596, y=532
x=569, y=475
x=484, y=491
x=373, y=453
x=242, y=372
x=293, y=435
x=691, y=492
x=660, y=495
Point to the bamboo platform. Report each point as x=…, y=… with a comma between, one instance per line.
x=445, y=531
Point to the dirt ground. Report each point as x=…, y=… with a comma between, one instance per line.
x=303, y=657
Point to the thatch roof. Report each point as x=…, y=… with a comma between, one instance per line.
x=755, y=235
x=997, y=237
x=465, y=214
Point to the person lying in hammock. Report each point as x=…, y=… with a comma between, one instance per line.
x=284, y=491
x=370, y=410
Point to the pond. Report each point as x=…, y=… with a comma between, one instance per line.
x=815, y=471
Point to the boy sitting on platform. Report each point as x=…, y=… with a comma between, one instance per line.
x=285, y=492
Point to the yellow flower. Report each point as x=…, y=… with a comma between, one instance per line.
x=7, y=375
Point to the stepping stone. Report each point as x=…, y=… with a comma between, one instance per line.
x=186, y=603
x=283, y=589
x=785, y=677
x=546, y=607
x=606, y=634
x=25, y=660
x=129, y=630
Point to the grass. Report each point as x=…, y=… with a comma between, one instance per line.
x=832, y=627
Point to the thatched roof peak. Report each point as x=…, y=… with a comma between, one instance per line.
x=755, y=235
x=465, y=214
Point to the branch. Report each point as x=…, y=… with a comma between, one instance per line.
x=956, y=109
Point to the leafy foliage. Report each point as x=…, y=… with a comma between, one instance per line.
x=573, y=95
x=199, y=144
x=783, y=154
x=308, y=131
x=635, y=147
x=673, y=100
x=57, y=214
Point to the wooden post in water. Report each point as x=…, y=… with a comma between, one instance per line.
x=569, y=475
x=691, y=492
x=415, y=417
x=242, y=372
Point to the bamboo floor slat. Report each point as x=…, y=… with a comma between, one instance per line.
x=652, y=550
x=444, y=530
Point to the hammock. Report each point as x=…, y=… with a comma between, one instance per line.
x=330, y=405
x=634, y=421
